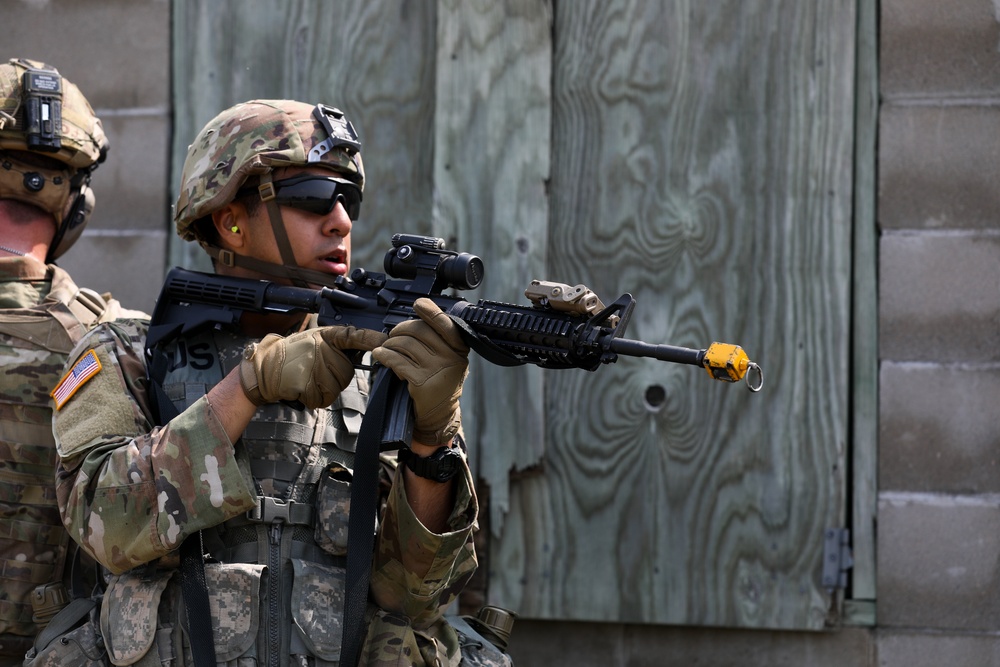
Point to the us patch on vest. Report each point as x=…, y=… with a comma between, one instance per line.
x=86, y=368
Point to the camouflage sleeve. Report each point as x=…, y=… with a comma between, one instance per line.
x=441, y=564
x=130, y=492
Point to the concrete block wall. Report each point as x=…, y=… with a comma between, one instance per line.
x=118, y=53
x=939, y=340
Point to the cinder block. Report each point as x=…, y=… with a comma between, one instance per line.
x=938, y=297
x=116, y=51
x=544, y=644
x=129, y=265
x=132, y=185
x=935, y=48
x=939, y=167
x=937, y=561
x=937, y=428
x=912, y=649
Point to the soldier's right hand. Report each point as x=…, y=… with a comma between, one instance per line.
x=309, y=366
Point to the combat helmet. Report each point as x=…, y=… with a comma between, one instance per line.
x=50, y=144
x=253, y=139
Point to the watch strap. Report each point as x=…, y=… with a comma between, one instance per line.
x=440, y=466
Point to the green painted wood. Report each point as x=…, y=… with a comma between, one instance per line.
x=492, y=129
x=860, y=613
x=864, y=400
x=701, y=160
x=697, y=155
x=374, y=59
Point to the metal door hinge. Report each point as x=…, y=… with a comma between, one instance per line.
x=837, y=558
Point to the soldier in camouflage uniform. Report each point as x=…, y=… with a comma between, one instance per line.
x=45, y=201
x=270, y=189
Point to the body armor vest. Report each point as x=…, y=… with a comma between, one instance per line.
x=35, y=339
x=294, y=544
x=275, y=577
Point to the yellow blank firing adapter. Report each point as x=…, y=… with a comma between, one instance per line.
x=730, y=363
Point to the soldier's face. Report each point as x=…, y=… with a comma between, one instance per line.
x=319, y=241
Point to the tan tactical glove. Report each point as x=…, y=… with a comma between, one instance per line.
x=431, y=356
x=308, y=366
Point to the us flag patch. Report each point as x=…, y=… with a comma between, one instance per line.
x=86, y=368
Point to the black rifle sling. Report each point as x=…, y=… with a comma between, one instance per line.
x=361, y=523
x=387, y=424
x=195, y=594
x=69, y=616
x=381, y=426
x=193, y=587
x=484, y=347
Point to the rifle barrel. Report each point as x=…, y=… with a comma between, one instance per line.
x=677, y=355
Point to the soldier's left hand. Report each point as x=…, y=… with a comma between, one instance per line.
x=431, y=356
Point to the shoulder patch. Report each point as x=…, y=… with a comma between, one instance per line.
x=87, y=367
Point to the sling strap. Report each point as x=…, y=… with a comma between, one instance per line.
x=195, y=593
x=389, y=395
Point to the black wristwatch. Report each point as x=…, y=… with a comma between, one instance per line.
x=440, y=466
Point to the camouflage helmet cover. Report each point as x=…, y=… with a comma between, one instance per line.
x=48, y=165
x=83, y=142
x=253, y=138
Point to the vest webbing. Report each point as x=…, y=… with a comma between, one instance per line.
x=33, y=546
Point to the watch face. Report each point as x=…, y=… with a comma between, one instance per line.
x=447, y=465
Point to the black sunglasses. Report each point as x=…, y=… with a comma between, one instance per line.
x=316, y=194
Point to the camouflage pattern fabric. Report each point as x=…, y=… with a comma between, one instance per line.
x=82, y=146
x=82, y=135
x=477, y=651
x=131, y=493
x=39, y=324
x=251, y=139
x=137, y=599
x=81, y=647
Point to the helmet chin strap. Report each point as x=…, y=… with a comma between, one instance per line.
x=299, y=276
x=268, y=196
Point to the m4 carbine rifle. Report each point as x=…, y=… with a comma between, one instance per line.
x=564, y=327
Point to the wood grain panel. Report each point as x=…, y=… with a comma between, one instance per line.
x=491, y=172
x=696, y=155
x=701, y=161
x=373, y=59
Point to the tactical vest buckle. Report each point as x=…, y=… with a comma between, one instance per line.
x=270, y=510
